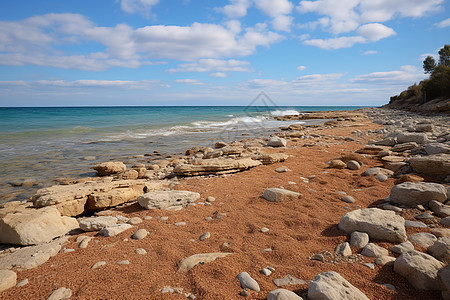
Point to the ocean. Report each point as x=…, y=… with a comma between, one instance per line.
x=41, y=144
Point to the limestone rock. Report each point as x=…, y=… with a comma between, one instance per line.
x=423, y=239
x=61, y=293
x=188, y=263
x=167, y=200
x=280, y=195
x=110, y=168
x=35, y=226
x=437, y=165
x=377, y=223
x=215, y=166
x=385, y=261
x=282, y=294
x=405, y=137
x=330, y=285
x=372, y=250
x=441, y=249
x=437, y=148
x=140, y=234
x=419, y=269
x=267, y=159
x=404, y=147
x=343, y=249
x=378, y=171
x=412, y=194
x=441, y=210
x=276, y=142
x=403, y=247
x=115, y=229
x=247, y=282
x=359, y=239
x=8, y=279
x=97, y=223
x=288, y=280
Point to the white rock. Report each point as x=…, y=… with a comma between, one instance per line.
x=282, y=294
x=8, y=279
x=167, y=200
x=359, y=239
x=343, y=249
x=188, y=263
x=377, y=223
x=441, y=249
x=419, y=269
x=123, y=262
x=97, y=223
x=420, y=193
x=372, y=250
x=403, y=247
x=134, y=221
x=140, y=251
x=276, y=142
x=332, y=286
x=140, y=234
x=423, y=239
x=113, y=230
x=98, y=264
x=22, y=283
x=61, y=293
x=280, y=195
x=247, y=282
x=385, y=261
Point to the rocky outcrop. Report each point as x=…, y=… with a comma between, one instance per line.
x=331, y=285
x=377, y=223
x=167, y=200
x=34, y=226
x=412, y=194
x=215, y=166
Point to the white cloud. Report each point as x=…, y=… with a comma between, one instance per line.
x=189, y=81
x=335, y=43
x=282, y=23
x=210, y=65
x=375, y=31
x=443, y=23
x=87, y=83
x=274, y=8
x=407, y=75
x=138, y=6
x=319, y=77
x=370, y=52
x=237, y=8
x=301, y=68
x=35, y=41
x=218, y=75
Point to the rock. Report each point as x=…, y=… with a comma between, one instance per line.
x=61, y=293
x=436, y=165
x=441, y=210
x=266, y=272
x=337, y=164
x=123, y=262
x=424, y=216
x=140, y=251
x=113, y=230
x=444, y=278
x=423, y=239
x=32, y=256
x=204, y=236
x=416, y=224
x=369, y=265
x=247, y=282
x=409, y=178
x=406, y=137
x=110, y=168
x=282, y=170
x=167, y=200
x=23, y=283
x=445, y=221
x=188, y=263
x=215, y=166
x=267, y=159
x=140, y=234
x=180, y=224
x=441, y=249
x=378, y=171
x=348, y=199
x=372, y=250
x=388, y=141
x=377, y=223
x=381, y=177
x=343, y=249
x=83, y=243
x=359, y=239
x=419, y=269
x=98, y=265
x=134, y=221
x=34, y=226
x=210, y=199
x=440, y=232
x=403, y=247
x=130, y=174
x=391, y=207
x=437, y=148
x=282, y=294
x=213, y=154
x=353, y=165
x=404, y=147
x=330, y=285
x=288, y=280
x=385, y=261
x=231, y=150
x=8, y=279
x=219, y=145
x=280, y=195
x=318, y=256
x=411, y=194
x=276, y=142
x=264, y=229
x=97, y=223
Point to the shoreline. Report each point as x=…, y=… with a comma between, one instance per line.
x=297, y=230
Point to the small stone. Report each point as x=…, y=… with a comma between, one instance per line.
x=318, y=257
x=8, y=279
x=180, y=224
x=403, y=247
x=372, y=250
x=381, y=177
x=113, y=230
x=124, y=262
x=423, y=239
x=359, y=239
x=140, y=251
x=84, y=242
x=343, y=249
x=140, y=234
x=22, y=283
x=164, y=218
x=266, y=250
x=61, y=293
x=207, y=219
x=385, y=261
x=205, y=236
x=148, y=218
x=391, y=207
x=135, y=221
x=416, y=224
x=280, y=195
x=98, y=264
x=264, y=229
x=68, y=250
x=348, y=199
x=353, y=165
x=369, y=265
x=167, y=289
x=288, y=280
x=244, y=293
x=266, y=272
x=210, y=199
x=389, y=286
x=283, y=294
x=282, y=170
x=247, y=282
x=445, y=221
x=424, y=216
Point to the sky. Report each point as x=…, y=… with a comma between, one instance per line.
x=223, y=52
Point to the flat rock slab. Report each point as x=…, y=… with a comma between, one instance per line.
x=379, y=224
x=97, y=223
x=113, y=230
x=188, y=263
x=280, y=195
x=436, y=165
x=330, y=285
x=167, y=200
x=271, y=158
x=32, y=256
x=419, y=193
x=35, y=226
x=215, y=166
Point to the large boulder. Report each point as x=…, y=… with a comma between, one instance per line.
x=436, y=165
x=379, y=224
x=420, y=269
x=332, y=286
x=441, y=249
x=215, y=166
x=110, y=168
x=412, y=194
x=167, y=200
x=35, y=226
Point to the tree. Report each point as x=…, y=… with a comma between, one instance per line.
x=429, y=64
x=444, y=56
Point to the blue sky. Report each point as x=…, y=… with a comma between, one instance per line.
x=188, y=52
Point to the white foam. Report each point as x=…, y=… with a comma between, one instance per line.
x=281, y=113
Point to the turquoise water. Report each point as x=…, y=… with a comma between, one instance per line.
x=43, y=144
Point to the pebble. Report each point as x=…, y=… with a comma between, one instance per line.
x=381, y=177
x=210, y=199
x=124, y=262
x=424, y=216
x=288, y=280
x=140, y=251
x=348, y=199
x=148, y=218
x=167, y=289
x=390, y=286
x=264, y=229
x=353, y=165
x=291, y=182
x=318, y=257
x=266, y=250
x=369, y=265
x=68, y=250
x=417, y=224
x=205, y=236
x=247, y=282
x=282, y=169
x=180, y=224
x=98, y=264
x=266, y=272
x=244, y=293
x=61, y=293
x=140, y=234
x=391, y=207
x=164, y=218
x=135, y=221
x=23, y=282
x=207, y=219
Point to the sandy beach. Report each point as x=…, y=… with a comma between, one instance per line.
x=237, y=219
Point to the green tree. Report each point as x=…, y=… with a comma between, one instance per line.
x=429, y=64
x=444, y=56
